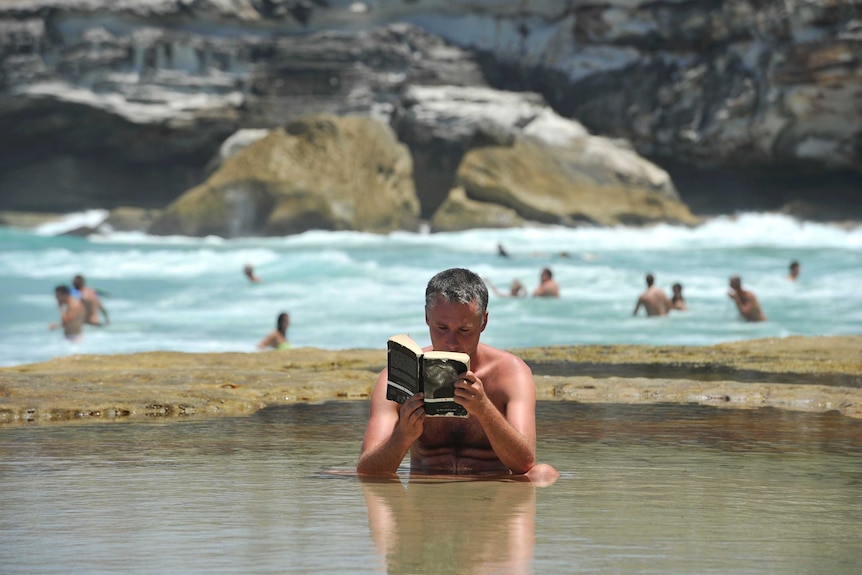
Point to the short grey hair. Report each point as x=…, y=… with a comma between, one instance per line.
x=457, y=285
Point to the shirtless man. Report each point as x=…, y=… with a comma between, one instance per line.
x=91, y=302
x=746, y=301
x=547, y=286
x=72, y=314
x=498, y=392
x=653, y=300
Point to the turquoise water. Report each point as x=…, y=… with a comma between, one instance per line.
x=664, y=490
x=351, y=290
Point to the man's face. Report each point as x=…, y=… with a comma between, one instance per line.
x=455, y=326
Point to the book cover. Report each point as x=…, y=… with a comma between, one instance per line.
x=433, y=373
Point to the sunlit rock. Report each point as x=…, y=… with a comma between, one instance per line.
x=514, y=152
x=323, y=172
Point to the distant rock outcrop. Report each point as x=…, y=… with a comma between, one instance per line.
x=572, y=185
x=459, y=213
x=514, y=152
x=517, y=162
x=323, y=172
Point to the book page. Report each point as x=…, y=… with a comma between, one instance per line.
x=402, y=365
x=440, y=371
x=408, y=342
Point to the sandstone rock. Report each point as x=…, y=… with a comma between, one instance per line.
x=131, y=219
x=235, y=143
x=460, y=213
x=590, y=181
x=441, y=123
x=323, y=172
x=814, y=374
x=523, y=156
x=27, y=219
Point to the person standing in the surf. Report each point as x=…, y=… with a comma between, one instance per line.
x=746, y=302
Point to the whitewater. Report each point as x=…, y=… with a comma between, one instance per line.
x=347, y=290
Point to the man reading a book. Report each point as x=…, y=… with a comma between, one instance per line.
x=498, y=392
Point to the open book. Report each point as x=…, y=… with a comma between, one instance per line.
x=433, y=373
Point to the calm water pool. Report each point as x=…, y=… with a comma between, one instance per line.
x=644, y=489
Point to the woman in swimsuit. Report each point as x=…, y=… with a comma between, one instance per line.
x=677, y=301
x=277, y=338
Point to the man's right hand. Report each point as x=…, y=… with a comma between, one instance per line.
x=411, y=418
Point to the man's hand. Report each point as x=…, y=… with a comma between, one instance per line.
x=411, y=418
x=470, y=392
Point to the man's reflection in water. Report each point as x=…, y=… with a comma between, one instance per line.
x=452, y=525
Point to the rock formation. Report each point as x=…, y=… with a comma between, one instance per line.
x=798, y=373
x=517, y=162
x=126, y=103
x=514, y=153
x=325, y=172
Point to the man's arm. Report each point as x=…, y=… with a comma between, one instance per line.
x=392, y=429
x=638, y=305
x=105, y=313
x=513, y=435
x=743, y=303
x=668, y=305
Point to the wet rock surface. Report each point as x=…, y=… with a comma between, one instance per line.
x=797, y=373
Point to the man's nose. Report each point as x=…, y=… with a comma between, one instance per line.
x=451, y=342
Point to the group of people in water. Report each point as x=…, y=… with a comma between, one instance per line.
x=653, y=300
x=82, y=305
x=79, y=305
x=656, y=303
x=547, y=287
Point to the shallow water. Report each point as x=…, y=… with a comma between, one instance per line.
x=644, y=489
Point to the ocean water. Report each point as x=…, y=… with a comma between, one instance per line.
x=348, y=290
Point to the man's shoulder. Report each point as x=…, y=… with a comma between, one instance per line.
x=501, y=359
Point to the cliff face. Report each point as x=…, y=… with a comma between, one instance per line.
x=106, y=103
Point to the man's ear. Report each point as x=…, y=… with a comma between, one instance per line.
x=484, y=322
x=426, y=317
